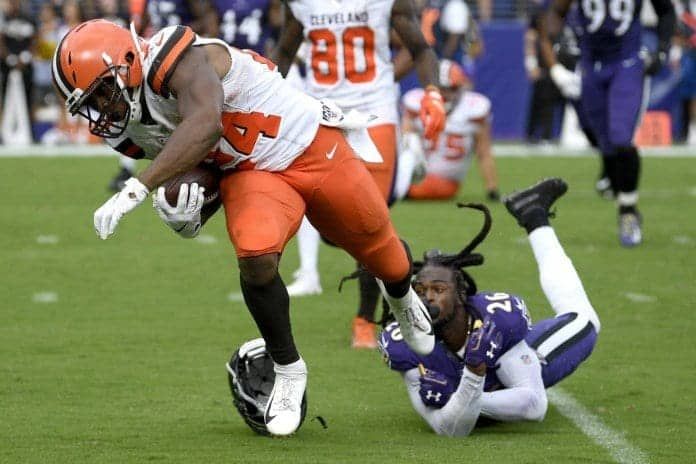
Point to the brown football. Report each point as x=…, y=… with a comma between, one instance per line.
x=204, y=175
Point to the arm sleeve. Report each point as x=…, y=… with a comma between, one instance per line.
x=666, y=22
x=458, y=417
x=524, y=397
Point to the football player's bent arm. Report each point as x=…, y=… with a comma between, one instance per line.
x=484, y=154
x=289, y=42
x=550, y=25
x=458, y=417
x=406, y=25
x=666, y=24
x=524, y=397
x=196, y=84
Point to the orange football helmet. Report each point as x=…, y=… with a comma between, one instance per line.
x=97, y=67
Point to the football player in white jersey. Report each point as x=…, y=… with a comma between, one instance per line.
x=180, y=100
x=349, y=61
x=467, y=130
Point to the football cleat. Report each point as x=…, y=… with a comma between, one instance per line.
x=603, y=188
x=414, y=320
x=251, y=376
x=364, y=334
x=284, y=410
x=630, y=234
x=541, y=195
x=305, y=284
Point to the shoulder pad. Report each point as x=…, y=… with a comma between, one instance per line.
x=165, y=50
x=508, y=311
x=395, y=350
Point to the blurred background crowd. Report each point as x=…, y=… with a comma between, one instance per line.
x=494, y=40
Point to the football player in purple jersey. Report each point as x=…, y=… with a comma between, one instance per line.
x=611, y=86
x=246, y=24
x=490, y=360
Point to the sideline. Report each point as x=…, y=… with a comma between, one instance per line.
x=500, y=150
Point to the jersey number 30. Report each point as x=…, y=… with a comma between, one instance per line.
x=358, y=55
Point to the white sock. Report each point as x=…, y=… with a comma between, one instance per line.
x=559, y=280
x=308, y=247
x=627, y=198
x=127, y=163
x=298, y=367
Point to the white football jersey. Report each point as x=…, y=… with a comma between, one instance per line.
x=451, y=156
x=349, y=59
x=265, y=120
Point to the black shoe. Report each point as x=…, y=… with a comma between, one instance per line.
x=118, y=182
x=532, y=204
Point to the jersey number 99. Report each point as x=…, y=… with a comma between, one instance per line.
x=620, y=11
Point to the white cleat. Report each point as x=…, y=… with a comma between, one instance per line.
x=305, y=284
x=414, y=320
x=283, y=413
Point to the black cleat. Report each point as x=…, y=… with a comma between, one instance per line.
x=119, y=181
x=533, y=203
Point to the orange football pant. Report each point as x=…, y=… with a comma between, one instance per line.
x=384, y=138
x=433, y=188
x=338, y=195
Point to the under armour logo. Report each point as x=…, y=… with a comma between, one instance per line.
x=491, y=353
x=435, y=396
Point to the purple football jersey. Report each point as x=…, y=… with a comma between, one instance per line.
x=244, y=23
x=509, y=313
x=611, y=29
x=165, y=13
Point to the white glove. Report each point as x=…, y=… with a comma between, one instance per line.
x=568, y=82
x=106, y=218
x=185, y=217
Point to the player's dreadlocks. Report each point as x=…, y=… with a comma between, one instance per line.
x=465, y=284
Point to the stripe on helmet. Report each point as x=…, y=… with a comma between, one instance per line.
x=59, y=79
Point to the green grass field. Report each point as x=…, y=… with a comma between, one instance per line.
x=114, y=351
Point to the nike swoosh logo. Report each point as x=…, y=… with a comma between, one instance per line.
x=330, y=154
x=159, y=40
x=268, y=418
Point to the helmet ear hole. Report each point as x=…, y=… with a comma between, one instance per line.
x=130, y=57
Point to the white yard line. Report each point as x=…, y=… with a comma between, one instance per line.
x=45, y=297
x=682, y=239
x=47, y=239
x=639, y=297
x=206, y=239
x=613, y=441
x=235, y=296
